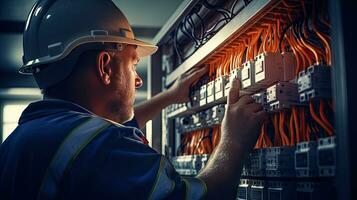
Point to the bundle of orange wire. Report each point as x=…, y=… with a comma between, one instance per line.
x=264, y=139
x=196, y=142
x=308, y=43
x=216, y=135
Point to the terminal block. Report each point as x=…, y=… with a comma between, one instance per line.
x=219, y=87
x=271, y=68
x=282, y=95
x=259, y=190
x=278, y=190
x=306, y=159
x=261, y=98
x=197, y=121
x=186, y=165
x=207, y=118
x=203, y=95
x=195, y=98
x=326, y=153
x=217, y=114
x=210, y=91
x=190, y=164
x=315, y=82
x=236, y=73
x=243, y=192
x=246, y=167
x=257, y=162
x=183, y=124
x=176, y=109
x=315, y=190
x=247, y=76
x=280, y=162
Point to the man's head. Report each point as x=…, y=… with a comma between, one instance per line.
x=103, y=81
x=65, y=38
x=117, y=75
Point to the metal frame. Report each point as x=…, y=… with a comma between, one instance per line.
x=343, y=61
x=246, y=17
x=341, y=75
x=182, y=10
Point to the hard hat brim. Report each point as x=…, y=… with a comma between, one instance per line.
x=143, y=49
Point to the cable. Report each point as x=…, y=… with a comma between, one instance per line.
x=277, y=139
x=302, y=124
x=318, y=120
x=291, y=129
x=323, y=116
x=296, y=124
x=283, y=135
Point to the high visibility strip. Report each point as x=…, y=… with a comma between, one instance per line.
x=164, y=185
x=195, y=188
x=70, y=148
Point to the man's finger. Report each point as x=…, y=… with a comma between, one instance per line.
x=262, y=115
x=197, y=74
x=193, y=69
x=233, y=94
x=255, y=107
x=198, y=71
x=246, y=99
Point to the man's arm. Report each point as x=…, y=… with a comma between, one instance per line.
x=177, y=93
x=239, y=132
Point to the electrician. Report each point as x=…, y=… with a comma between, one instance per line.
x=82, y=140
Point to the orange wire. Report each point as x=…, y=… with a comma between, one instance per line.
x=308, y=131
x=302, y=124
x=297, y=56
x=296, y=123
x=284, y=137
x=277, y=139
x=318, y=120
x=323, y=116
x=291, y=128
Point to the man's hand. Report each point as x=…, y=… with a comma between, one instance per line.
x=240, y=130
x=179, y=91
x=243, y=118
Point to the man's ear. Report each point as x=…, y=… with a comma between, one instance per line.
x=103, y=67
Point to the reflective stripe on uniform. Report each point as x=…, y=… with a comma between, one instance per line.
x=163, y=185
x=70, y=148
x=195, y=188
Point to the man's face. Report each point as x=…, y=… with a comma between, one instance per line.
x=124, y=82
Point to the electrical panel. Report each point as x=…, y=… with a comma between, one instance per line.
x=281, y=53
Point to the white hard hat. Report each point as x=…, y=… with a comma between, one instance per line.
x=56, y=27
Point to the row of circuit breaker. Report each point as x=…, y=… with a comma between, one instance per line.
x=306, y=159
x=279, y=91
x=252, y=189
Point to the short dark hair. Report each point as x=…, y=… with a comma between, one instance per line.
x=84, y=61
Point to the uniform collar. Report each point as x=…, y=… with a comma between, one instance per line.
x=47, y=107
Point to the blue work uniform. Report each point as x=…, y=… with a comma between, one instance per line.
x=112, y=163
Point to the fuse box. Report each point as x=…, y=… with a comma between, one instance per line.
x=306, y=159
x=315, y=82
x=280, y=52
x=220, y=85
x=271, y=68
x=210, y=91
x=243, y=192
x=282, y=95
x=326, y=152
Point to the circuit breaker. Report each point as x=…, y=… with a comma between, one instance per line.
x=281, y=53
